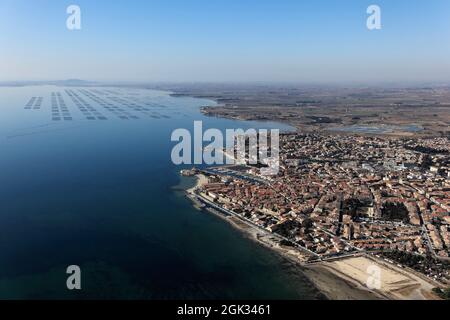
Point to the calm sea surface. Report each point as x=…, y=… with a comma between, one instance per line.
x=100, y=194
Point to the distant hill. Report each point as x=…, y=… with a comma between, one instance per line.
x=72, y=82
x=68, y=82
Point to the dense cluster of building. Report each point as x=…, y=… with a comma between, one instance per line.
x=345, y=194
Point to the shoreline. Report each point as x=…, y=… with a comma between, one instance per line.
x=327, y=283
x=201, y=181
x=335, y=280
x=219, y=102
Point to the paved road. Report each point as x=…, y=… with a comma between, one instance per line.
x=248, y=221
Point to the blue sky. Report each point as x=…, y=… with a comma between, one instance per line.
x=226, y=40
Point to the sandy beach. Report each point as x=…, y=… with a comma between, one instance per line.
x=341, y=279
x=201, y=181
x=395, y=283
x=330, y=284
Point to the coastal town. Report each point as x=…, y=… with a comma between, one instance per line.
x=346, y=195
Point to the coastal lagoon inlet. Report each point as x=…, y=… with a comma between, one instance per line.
x=97, y=190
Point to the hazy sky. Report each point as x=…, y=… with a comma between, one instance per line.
x=225, y=40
